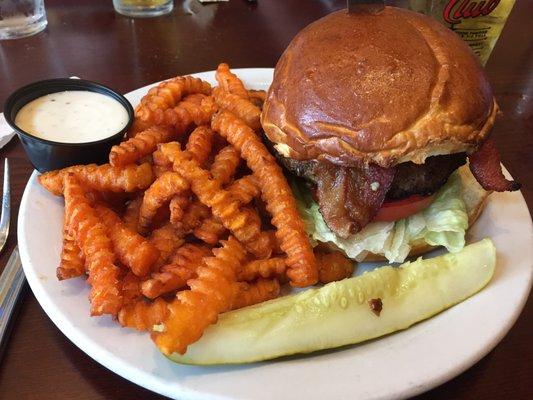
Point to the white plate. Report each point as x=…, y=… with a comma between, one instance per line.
x=396, y=366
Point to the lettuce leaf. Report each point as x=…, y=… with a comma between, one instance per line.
x=443, y=223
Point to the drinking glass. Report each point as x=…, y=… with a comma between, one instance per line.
x=21, y=18
x=143, y=8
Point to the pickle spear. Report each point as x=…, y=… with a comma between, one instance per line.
x=350, y=311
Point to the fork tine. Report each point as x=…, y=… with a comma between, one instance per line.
x=6, y=207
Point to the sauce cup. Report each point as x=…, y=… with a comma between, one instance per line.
x=47, y=155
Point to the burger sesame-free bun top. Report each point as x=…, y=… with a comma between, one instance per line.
x=385, y=88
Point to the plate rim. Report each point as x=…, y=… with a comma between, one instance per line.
x=150, y=382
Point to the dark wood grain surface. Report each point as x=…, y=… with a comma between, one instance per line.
x=86, y=38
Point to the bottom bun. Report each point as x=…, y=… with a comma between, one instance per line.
x=474, y=197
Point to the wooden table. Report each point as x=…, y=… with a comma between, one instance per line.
x=89, y=40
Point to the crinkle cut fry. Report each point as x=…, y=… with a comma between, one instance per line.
x=144, y=143
x=134, y=251
x=242, y=223
x=91, y=237
x=182, y=267
x=245, y=189
x=302, y=268
x=257, y=98
x=131, y=288
x=166, y=239
x=143, y=314
x=101, y=177
x=249, y=294
x=268, y=268
x=137, y=127
x=333, y=266
x=230, y=82
x=131, y=215
x=242, y=108
x=260, y=95
x=189, y=112
x=72, y=263
x=211, y=293
x=195, y=213
x=225, y=164
x=166, y=95
x=178, y=205
x=200, y=143
x=210, y=230
x=162, y=190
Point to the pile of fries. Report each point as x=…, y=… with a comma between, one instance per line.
x=191, y=217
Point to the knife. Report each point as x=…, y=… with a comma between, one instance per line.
x=365, y=6
x=11, y=284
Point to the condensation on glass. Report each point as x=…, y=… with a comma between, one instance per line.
x=21, y=18
x=143, y=8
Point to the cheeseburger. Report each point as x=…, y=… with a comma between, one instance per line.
x=376, y=116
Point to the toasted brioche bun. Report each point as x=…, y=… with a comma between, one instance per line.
x=474, y=197
x=383, y=88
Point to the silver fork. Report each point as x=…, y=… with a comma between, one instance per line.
x=12, y=278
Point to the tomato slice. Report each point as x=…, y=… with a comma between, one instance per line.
x=394, y=210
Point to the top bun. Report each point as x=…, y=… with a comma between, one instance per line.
x=385, y=88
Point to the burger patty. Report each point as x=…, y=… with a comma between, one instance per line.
x=424, y=179
x=410, y=178
x=350, y=197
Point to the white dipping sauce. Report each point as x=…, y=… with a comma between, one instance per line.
x=74, y=116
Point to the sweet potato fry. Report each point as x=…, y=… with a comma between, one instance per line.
x=144, y=143
x=210, y=230
x=131, y=214
x=333, y=266
x=159, y=170
x=223, y=206
x=268, y=268
x=189, y=112
x=195, y=213
x=166, y=95
x=242, y=108
x=91, y=237
x=72, y=263
x=166, y=239
x=259, y=95
x=161, y=191
x=225, y=164
x=200, y=143
x=230, y=82
x=280, y=203
x=134, y=251
x=131, y=288
x=245, y=189
x=101, y=177
x=249, y=294
x=158, y=158
x=211, y=293
x=143, y=314
x=137, y=127
x=177, y=207
x=182, y=267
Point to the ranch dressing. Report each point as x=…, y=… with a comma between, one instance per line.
x=73, y=116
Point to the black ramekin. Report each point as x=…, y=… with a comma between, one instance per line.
x=47, y=155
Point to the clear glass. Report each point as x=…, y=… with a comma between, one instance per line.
x=21, y=18
x=143, y=8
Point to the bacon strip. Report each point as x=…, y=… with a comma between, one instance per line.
x=349, y=198
x=486, y=168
